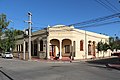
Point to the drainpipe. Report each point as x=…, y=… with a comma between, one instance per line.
x=85, y=45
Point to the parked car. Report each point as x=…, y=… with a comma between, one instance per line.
x=7, y=55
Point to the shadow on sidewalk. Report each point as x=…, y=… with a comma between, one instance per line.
x=114, y=63
x=114, y=60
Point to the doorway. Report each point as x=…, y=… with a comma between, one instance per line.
x=52, y=50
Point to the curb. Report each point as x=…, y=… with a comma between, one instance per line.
x=114, y=66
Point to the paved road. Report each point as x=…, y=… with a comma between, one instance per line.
x=31, y=70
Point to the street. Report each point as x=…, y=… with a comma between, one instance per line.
x=35, y=70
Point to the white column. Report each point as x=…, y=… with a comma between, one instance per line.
x=39, y=45
x=60, y=49
x=24, y=50
x=20, y=47
x=33, y=47
x=19, y=51
x=48, y=50
x=86, y=46
x=72, y=50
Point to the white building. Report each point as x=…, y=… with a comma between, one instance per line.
x=67, y=42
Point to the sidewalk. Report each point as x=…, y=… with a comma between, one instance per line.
x=116, y=66
x=67, y=61
x=51, y=61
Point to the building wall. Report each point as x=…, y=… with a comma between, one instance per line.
x=76, y=35
x=36, y=37
x=65, y=36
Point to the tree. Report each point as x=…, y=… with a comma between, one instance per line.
x=114, y=43
x=3, y=22
x=102, y=47
x=99, y=47
x=9, y=41
x=105, y=48
x=18, y=32
x=3, y=25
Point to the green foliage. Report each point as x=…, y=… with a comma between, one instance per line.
x=111, y=43
x=3, y=25
x=18, y=32
x=100, y=46
x=9, y=41
x=105, y=47
x=3, y=22
x=114, y=43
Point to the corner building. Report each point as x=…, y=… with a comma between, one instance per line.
x=63, y=41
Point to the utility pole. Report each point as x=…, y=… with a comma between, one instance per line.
x=30, y=28
x=47, y=42
x=24, y=43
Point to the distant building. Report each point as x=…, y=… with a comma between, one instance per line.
x=62, y=41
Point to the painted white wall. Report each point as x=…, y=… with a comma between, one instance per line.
x=76, y=35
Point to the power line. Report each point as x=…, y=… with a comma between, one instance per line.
x=100, y=19
x=95, y=25
x=112, y=5
x=105, y=5
x=96, y=20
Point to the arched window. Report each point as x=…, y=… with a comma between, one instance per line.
x=81, y=45
x=89, y=48
x=41, y=45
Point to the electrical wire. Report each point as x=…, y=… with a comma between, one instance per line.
x=96, y=25
x=109, y=6
x=112, y=6
x=105, y=6
x=96, y=20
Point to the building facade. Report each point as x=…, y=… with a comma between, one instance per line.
x=62, y=41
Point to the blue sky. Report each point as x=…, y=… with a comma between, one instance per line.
x=52, y=12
